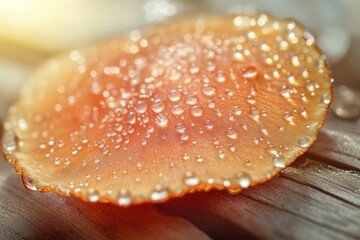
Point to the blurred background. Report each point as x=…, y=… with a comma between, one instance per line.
x=33, y=30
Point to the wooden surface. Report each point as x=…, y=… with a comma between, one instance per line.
x=317, y=197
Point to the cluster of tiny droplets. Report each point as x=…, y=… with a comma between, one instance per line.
x=188, y=85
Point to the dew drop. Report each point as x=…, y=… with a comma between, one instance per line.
x=254, y=114
x=141, y=107
x=30, y=184
x=220, y=77
x=124, y=198
x=249, y=72
x=93, y=195
x=251, y=100
x=191, y=179
x=196, y=111
x=177, y=110
x=131, y=118
x=295, y=61
x=238, y=56
x=208, y=90
x=184, y=137
x=303, y=112
x=199, y=158
x=288, y=116
x=237, y=110
x=211, y=104
x=326, y=98
x=191, y=99
x=231, y=133
x=304, y=142
x=232, y=148
x=285, y=91
x=221, y=154
x=180, y=128
x=279, y=161
x=161, y=120
x=231, y=117
x=158, y=105
x=186, y=156
x=57, y=161
x=174, y=95
x=243, y=179
x=216, y=142
x=209, y=125
x=310, y=86
x=263, y=129
x=159, y=193
x=10, y=144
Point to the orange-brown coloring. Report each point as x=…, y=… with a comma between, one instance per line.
x=200, y=102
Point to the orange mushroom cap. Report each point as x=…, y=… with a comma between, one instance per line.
x=197, y=103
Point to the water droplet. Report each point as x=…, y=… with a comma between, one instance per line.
x=231, y=117
x=211, y=104
x=249, y=72
x=131, y=118
x=288, y=116
x=174, y=95
x=250, y=99
x=174, y=75
x=93, y=195
x=310, y=86
x=158, y=105
x=124, y=198
x=303, y=111
x=216, y=141
x=231, y=133
x=22, y=124
x=209, y=125
x=10, y=144
x=141, y=107
x=194, y=69
x=279, y=161
x=254, y=114
x=237, y=110
x=161, y=120
x=208, y=90
x=243, y=179
x=295, y=61
x=191, y=179
x=263, y=129
x=220, y=77
x=285, y=91
x=177, y=110
x=184, y=137
x=57, y=161
x=221, y=154
x=326, y=98
x=304, y=142
x=232, y=148
x=199, y=158
x=186, y=157
x=159, y=193
x=196, y=111
x=180, y=128
x=238, y=56
x=191, y=99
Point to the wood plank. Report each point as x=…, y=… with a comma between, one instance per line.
x=339, y=143
x=339, y=183
x=256, y=218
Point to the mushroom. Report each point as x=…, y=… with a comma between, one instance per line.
x=197, y=103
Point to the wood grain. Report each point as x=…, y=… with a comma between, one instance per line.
x=317, y=197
